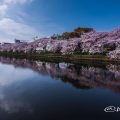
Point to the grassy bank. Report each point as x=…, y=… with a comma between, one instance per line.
x=54, y=57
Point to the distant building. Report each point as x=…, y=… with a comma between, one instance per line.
x=5, y=43
x=35, y=38
x=20, y=41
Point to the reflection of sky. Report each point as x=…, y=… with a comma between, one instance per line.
x=18, y=86
x=23, y=91
x=9, y=74
x=12, y=78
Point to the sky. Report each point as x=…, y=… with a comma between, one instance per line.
x=25, y=19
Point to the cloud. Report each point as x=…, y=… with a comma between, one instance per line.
x=3, y=9
x=4, y=6
x=10, y=26
x=10, y=29
x=16, y=1
x=14, y=22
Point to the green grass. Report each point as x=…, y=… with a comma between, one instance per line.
x=56, y=57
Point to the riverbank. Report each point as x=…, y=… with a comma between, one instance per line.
x=54, y=57
x=88, y=47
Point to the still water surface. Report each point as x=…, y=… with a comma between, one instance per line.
x=35, y=90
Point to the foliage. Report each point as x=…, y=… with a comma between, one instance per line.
x=74, y=34
x=83, y=30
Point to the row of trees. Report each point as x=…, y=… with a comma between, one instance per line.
x=74, y=34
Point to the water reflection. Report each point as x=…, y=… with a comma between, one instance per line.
x=80, y=76
x=34, y=90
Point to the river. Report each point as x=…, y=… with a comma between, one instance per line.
x=39, y=90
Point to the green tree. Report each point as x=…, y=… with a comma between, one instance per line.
x=83, y=30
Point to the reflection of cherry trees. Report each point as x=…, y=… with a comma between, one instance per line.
x=92, y=42
x=77, y=75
